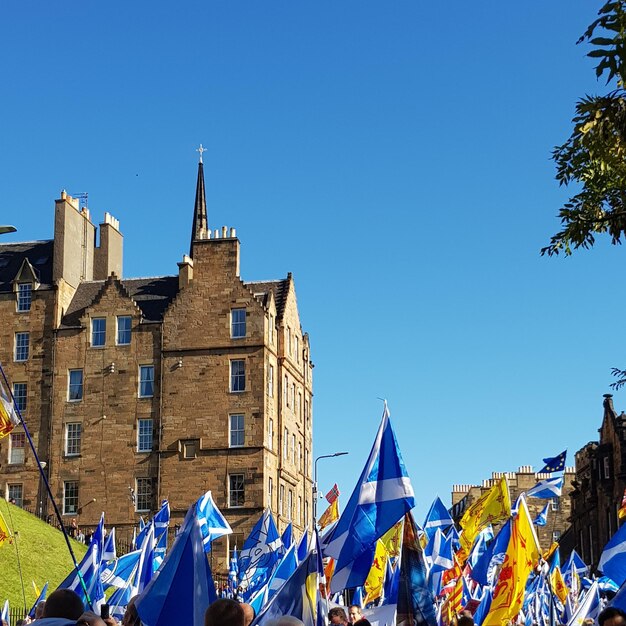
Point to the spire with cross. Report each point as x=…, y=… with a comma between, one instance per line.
x=200, y=217
x=200, y=150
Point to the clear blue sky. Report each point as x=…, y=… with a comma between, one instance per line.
x=393, y=155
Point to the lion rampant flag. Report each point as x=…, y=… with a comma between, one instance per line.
x=621, y=514
x=5, y=533
x=8, y=415
x=330, y=515
x=558, y=584
x=521, y=557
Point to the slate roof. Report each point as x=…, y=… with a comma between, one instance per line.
x=278, y=287
x=12, y=255
x=152, y=296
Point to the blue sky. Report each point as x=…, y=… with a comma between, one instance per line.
x=393, y=155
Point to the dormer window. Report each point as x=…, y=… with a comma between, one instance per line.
x=24, y=296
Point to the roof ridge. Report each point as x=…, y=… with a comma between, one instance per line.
x=21, y=243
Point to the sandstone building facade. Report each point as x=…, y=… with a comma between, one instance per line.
x=136, y=390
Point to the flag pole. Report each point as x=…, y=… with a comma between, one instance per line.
x=47, y=484
x=17, y=555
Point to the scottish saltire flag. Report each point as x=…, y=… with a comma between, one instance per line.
x=282, y=572
x=573, y=567
x=259, y=554
x=41, y=597
x=481, y=543
x=542, y=517
x=483, y=608
x=298, y=597
x=108, y=553
x=392, y=583
x=359, y=597
x=613, y=559
x=416, y=606
x=619, y=601
x=119, y=572
x=437, y=518
x=589, y=608
x=161, y=522
x=4, y=614
x=89, y=569
x=287, y=537
x=554, y=464
x=549, y=488
x=438, y=552
x=233, y=572
x=453, y=535
x=184, y=587
x=485, y=567
x=382, y=496
x=303, y=546
x=212, y=523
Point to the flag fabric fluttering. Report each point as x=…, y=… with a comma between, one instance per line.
x=588, y=608
x=416, y=606
x=287, y=537
x=5, y=533
x=374, y=582
x=303, y=546
x=438, y=552
x=333, y=494
x=549, y=488
x=437, y=518
x=613, y=559
x=554, y=464
x=118, y=572
x=521, y=556
x=212, y=523
x=184, y=587
x=9, y=418
x=558, y=584
x=621, y=514
x=330, y=515
x=41, y=596
x=108, y=552
x=5, y=613
x=381, y=497
x=542, y=517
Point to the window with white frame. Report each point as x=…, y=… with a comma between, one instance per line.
x=270, y=490
x=299, y=511
x=299, y=455
x=143, y=494
x=270, y=433
x=24, y=296
x=555, y=504
x=146, y=381
x=288, y=341
x=306, y=512
x=98, y=332
x=73, y=434
x=190, y=449
x=144, y=434
x=285, y=444
x=270, y=381
x=237, y=431
x=290, y=504
x=75, y=385
x=15, y=494
x=17, y=448
x=236, y=490
x=237, y=323
x=123, y=330
x=281, y=499
x=20, y=395
x=297, y=348
x=22, y=346
x=271, y=328
x=299, y=406
x=70, y=497
x=306, y=462
x=293, y=396
x=237, y=375
x=293, y=449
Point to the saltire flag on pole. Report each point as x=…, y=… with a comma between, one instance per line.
x=287, y=537
x=437, y=517
x=542, y=517
x=589, y=608
x=416, y=606
x=118, y=573
x=4, y=614
x=333, y=494
x=330, y=515
x=520, y=559
x=621, y=514
x=184, y=587
x=493, y=506
x=554, y=464
x=9, y=418
x=108, y=552
x=41, y=596
x=549, y=488
x=381, y=497
x=212, y=523
x=613, y=559
x=438, y=551
x=303, y=546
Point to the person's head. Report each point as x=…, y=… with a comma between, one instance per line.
x=248, y=614
x=285, y=620
x=224, y=612
x=612, y=616
x=465, y=620
x=354, y=612
x=131, y=617
x=337, y=616
x=63, y=603
x=39, y=609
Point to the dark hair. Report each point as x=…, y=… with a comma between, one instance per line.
x=64, y=603
x=464, y=620
x=338, y=612
x=609, y=613
x=224, y=612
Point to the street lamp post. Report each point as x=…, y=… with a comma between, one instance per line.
x=315, y=492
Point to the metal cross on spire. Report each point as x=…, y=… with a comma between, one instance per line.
x=201, y=150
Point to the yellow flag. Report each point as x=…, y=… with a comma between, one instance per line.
x=493, y=506
x=558, y=584
x=393, y=539
x=8, y=415
x=376, y=576
x=521, y=557
x=5, y=534
x=330, y=515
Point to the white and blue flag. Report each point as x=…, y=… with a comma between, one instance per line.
x=109, y=553
x=120, y=571
x=549, y=488
x=4, y=614
x=613, y=560
x=542, y=517
x=589, y=608
x=437, y=518
x=212, y=523
x=382, y=496
x=438, y=552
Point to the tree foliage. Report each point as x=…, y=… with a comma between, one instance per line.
x=593, y=159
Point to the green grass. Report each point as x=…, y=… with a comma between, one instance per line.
x=43, y=556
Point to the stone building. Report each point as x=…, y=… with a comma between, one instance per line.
x=599, y=486
x=520, y=482
x=136, y=390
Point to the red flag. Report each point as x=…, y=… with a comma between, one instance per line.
x=333, y=494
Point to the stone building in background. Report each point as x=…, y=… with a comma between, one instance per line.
x=599, y=486
x=520, y=482
x=136, y=390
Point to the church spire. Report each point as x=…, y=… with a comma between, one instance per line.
x=200, y=220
